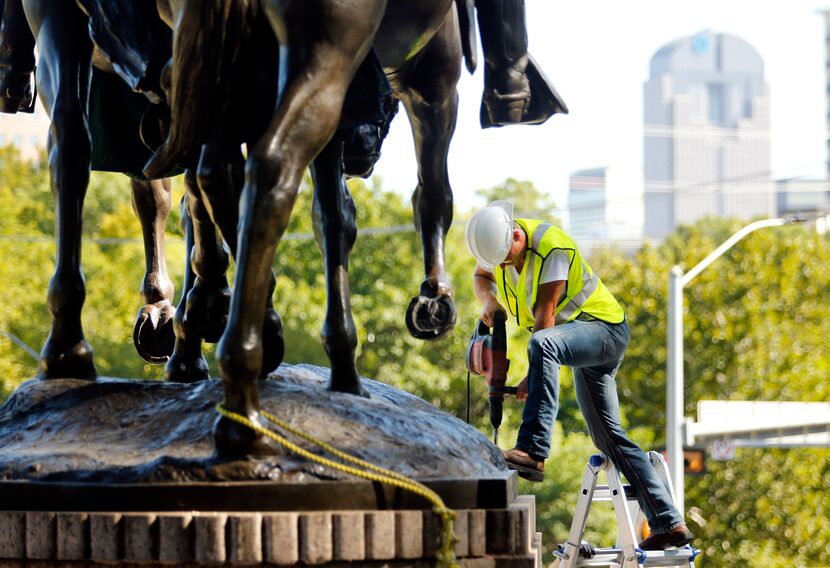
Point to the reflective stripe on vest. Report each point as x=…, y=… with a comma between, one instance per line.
x=589, y=285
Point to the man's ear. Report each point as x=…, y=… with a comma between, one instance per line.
x=516, y=235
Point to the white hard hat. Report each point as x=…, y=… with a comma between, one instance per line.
x=489, y=234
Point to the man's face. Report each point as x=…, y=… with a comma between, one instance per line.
x=516, y=254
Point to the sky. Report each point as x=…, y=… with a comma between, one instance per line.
x=597, y=55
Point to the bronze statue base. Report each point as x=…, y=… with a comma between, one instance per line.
x=123, y=445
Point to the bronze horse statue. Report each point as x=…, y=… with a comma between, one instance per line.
x=127, y=39
x=273, y=75
x=321, y=45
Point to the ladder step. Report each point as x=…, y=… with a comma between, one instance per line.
x=602, y=493
x=607, y=556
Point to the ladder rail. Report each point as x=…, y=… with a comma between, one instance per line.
x=625, y=527
x=583, y=507
x=626, y=553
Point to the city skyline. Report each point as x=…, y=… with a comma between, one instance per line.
x=706, y=133
x=597, y=54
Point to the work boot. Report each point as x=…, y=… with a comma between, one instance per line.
x=528, y=466
x=678, y=536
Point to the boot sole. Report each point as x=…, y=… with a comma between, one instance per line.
x=527, y=473
x=674, y=543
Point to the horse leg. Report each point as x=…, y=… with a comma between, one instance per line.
x=203, y=308
x=331, y=54
x=153, y=332
x=209, y=299
x=335, y=230
x=220, y=176
x=431, y=101
x=63, y=81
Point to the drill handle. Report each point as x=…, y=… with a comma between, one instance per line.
x=500, y=331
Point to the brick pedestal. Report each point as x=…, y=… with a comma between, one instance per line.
x=497, y=538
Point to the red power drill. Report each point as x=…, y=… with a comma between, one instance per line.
x=487, y=357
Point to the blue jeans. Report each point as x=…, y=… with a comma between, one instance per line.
x=594, y=349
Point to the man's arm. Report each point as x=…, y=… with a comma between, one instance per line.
x=484, y=286
x=547, y=298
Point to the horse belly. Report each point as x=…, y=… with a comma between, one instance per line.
x=406, y=28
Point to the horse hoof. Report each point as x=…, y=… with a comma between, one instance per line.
x=352, y=387
x=183, y=370
x=234, y=440
x=206, y=311
x=430, y=318
x=153, y=332
x=72, y=362
x=273, y=345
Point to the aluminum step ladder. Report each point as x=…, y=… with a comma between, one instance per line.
x=626, y=552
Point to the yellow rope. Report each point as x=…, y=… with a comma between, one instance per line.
x=445, y=556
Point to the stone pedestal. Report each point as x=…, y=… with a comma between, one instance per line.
x=486, y=538
x=123, y=472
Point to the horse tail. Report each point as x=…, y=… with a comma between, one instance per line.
x=207, y=40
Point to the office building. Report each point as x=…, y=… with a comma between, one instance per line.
x=605, y=205
x=706, y=133
x=802, y=197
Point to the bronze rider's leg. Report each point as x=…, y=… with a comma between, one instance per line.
x=504, y=42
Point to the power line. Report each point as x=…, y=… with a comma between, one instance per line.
x=688, y=190
x=22, y=344
x=691, y=189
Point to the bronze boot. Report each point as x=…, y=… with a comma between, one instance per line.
x=516, y=90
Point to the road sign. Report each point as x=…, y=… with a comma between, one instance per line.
x=722, y=450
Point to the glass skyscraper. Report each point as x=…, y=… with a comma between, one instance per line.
x=706, y=133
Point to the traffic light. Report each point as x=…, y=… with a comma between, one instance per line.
x=694, y=461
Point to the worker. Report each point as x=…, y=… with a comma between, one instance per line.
x=534, y=269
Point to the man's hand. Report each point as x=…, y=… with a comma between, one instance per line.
x=490, y=307
x=484, y=286
x=521, y=393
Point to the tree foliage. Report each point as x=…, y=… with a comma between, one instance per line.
x=113, y=269
x=755, y=329
x=528, y=200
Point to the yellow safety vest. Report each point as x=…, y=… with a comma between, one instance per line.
x=584, y=292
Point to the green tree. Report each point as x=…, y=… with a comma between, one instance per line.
x=113, y=270
x=527, y=200
x=755, y=324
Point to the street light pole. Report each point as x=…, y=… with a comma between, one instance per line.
x=674, y=361
x=674, y=386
